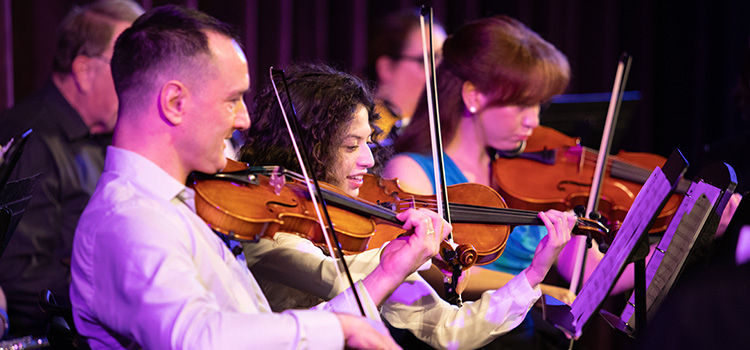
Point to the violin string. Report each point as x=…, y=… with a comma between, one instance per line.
x=591, y=157
x=634, y=171
x=630, y=171
x=469, y=211
x=433, y=203
x=469, y=208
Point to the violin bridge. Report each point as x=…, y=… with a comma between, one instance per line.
x=581, y=162
x=276, y=180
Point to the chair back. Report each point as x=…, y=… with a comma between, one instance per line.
x=62, y=332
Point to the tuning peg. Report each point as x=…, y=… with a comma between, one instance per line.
x=595, y=215
x=580, y=211
x=603, y=247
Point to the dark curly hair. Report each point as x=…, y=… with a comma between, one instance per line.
x=325, y=100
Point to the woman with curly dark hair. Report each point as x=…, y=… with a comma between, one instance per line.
x=328, y=99
x=335, y=113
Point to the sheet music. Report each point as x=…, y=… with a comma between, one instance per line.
x=672, y=251
x=644, y=208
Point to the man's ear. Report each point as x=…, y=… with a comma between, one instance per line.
x=471, y=96
x=82, y=71
x=172, y=101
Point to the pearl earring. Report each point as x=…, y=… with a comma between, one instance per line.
x=472, y=109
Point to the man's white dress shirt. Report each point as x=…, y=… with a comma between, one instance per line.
x=148, y=272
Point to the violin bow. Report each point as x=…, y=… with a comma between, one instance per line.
x=441, y=192
x=431, y=91
x=313, y=187
x=592, y=206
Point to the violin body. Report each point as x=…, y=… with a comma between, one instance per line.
x=254, y=206
x=251, y=204
x=533, y=185
x=478, y=243
x=262, y=207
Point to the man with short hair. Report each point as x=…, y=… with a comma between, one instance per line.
x=147, y=271
x=71, y=117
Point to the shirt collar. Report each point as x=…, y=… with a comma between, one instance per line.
x=143, y=173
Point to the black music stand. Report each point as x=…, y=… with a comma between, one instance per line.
x=708, y=307
x=10, y=155
x=14, y=198
x=685, y=243
x=14, y=195
x=625, y=249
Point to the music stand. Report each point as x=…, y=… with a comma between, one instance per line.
x=686, y=242
x=14, y=195
x=9, y=157
x=649, y=202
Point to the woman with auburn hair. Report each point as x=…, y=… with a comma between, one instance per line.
x=494, y=76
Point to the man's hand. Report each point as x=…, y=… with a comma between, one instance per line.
x=559, y=225
x=363, y=333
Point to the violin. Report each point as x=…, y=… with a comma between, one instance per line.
x=248, y=203
x=555, y=172
x=480, y=216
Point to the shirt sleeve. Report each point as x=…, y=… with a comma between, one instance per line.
x=146, y=287
x=417, y=307
x=295, y=262
x=414, y=305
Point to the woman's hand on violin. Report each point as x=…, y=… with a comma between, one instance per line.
x=404, y=255
x=562, y=294
x=463, y=280
x=559, y=226
x=726, y=216
x=445, y=270
x=410, y=252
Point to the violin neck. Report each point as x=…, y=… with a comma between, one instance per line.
x=359, y=206
x=474, y=214
x=633, y=173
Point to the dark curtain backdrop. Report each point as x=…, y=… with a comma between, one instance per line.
x=686, y=55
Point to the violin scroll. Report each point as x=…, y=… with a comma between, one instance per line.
x=464, y=255
x=595, y=230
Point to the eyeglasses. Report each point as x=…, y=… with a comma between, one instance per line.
x=418, y=59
